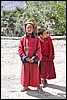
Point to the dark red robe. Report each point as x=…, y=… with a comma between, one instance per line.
x=46, y=67
x=30, y=75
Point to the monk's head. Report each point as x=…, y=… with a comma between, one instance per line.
x=29, y=26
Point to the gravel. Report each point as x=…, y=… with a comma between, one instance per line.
x=11, y=69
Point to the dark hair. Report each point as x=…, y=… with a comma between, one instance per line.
x=40, y=31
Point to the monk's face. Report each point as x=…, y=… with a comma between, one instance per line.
x=29, y=28
x=42, y=36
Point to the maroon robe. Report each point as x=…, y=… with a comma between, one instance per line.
x=46, y=67
x=30, y=75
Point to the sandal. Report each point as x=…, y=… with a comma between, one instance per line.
x=39, y=89
x=24, y=89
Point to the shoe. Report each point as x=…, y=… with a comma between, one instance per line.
x=39, y=89
x=44, y=82
x=24, y=89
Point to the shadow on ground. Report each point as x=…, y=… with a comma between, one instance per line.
x=47, y=95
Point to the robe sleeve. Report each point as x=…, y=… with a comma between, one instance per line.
x=51, y=51
x=38, y=50
x=35, y=58
x=21, y=50
x=24, y=58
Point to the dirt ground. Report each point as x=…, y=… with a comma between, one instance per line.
x=11, y=70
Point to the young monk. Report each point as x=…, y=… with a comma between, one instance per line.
x=29, y=50
x=47, y=69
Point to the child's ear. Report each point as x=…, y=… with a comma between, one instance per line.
x=41, y=34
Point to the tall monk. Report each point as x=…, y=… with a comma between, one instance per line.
x=29, y=50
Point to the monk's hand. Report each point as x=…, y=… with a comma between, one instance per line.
x=53, y=56
x=27, y=59
x=31, y=60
